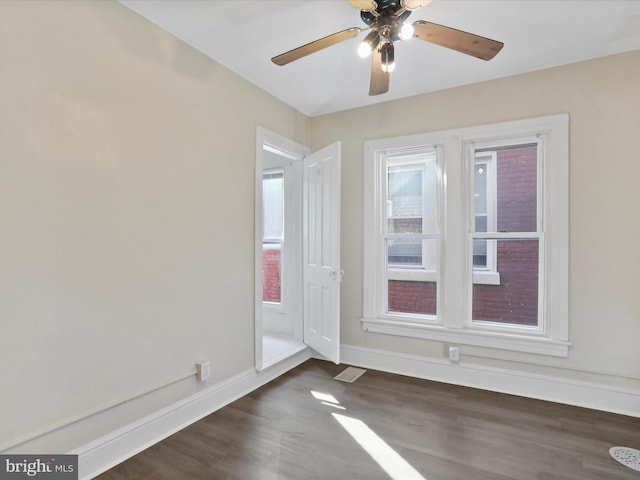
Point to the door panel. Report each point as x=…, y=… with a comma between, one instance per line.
x=321, y=252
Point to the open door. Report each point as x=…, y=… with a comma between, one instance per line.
x=321, y=251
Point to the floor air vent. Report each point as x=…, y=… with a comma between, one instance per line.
x=350, y=374
x=629, y=457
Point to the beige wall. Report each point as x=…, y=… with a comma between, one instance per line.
x=602, y=98
x=122, y=263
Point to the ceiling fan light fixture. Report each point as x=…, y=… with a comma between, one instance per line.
x=369, y=44
x=388, y=57
x=387, y=22
x=413, y=4
x=406, y=31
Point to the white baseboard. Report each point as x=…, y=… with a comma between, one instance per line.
x=581, y=393
x=110, y=450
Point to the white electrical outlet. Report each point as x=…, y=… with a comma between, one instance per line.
x=203, y=370
x=454, y=354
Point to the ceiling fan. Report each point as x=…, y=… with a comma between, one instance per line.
x=386, y=20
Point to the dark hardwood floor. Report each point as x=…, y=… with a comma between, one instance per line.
x=414, y=428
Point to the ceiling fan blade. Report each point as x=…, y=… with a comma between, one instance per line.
x=364, y=5
x=315, y=46
x=474, y=45
x=413, y=4
x=379, y=78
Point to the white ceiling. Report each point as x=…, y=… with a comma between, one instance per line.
x=243, y=35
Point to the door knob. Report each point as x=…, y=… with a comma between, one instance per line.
x=334, y=273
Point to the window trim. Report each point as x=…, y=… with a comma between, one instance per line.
x=452, y=324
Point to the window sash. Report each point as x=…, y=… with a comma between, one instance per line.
x=409, y=161
x=484, y=152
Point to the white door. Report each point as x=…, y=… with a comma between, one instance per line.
x=321, y=251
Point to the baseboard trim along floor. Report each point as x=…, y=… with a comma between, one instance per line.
x=112, y=449
x=580, y=393
x=120, y=445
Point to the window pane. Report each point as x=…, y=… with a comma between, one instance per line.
x=481, y=188
x=481, y=223
x=405, y=225
x=412, y=297
x=412, y=254
x=412, y=288
x=404, y=253
x=271, y=266
x=273, y=205
x=405, y=183
x=404, y=199
x=515, y=300
x=480, y=253
x=412, y=194
x=516, y=189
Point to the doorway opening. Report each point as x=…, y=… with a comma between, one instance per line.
x=281, y=258
x=278, y=256
x=297, y=250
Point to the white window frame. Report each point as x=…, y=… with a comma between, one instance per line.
x=455, y=273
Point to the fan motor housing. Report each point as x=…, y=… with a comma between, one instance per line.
x=385, y=8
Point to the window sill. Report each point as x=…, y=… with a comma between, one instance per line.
x=486, y=278
x=502, y=341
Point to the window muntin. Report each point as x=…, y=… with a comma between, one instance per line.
x=461, y=319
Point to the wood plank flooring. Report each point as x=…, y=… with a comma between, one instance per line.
x=442, y=432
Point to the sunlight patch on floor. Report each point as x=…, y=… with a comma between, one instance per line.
x=385, y=456
x=325, y=397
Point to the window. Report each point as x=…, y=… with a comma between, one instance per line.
x=492, y=239
x=405, y=212
x=411, y=231
x=485, y=198
x=506, y=208
x=272, y=234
